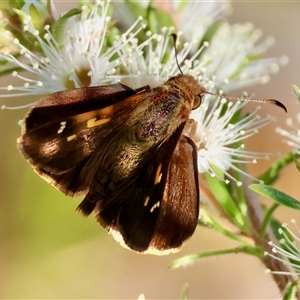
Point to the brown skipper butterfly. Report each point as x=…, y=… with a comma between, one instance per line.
x=124, y=150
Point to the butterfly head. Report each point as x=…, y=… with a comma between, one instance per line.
x=190, y=86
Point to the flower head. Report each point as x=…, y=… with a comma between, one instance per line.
x=153, y=62
x=189, y=15
x=220, y=140
x=235, y=57
x=78, y=56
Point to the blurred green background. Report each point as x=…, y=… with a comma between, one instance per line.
x=50, y=251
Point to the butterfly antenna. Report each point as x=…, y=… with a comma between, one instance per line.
x=174, y=36
x=270, y=101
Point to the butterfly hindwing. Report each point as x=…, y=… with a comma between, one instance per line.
x=139, y=208
x=178, y=216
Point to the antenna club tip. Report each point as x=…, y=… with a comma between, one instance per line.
x=278, y=103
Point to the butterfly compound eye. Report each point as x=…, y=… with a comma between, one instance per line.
x=197, y=101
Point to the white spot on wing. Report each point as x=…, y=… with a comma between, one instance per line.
x=156, y=205
x=62, y=127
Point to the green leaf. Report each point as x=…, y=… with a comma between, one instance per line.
x=10, y=5
x=3, y=62
x=185, y=292
x=211, y=31
x=37, y=17
x=212, y=223
x=276, y=195
x=297, y=164
x=10, y=70
x=296, y=91
x=58, y=27
x=224, y=197
x=273, y=172
x=158, y=18
x=276, y=226
x=20, y=3
x=189, y=259
x=267, y=219
x=291, y=291
x=136, y=9
x=287, y=243
x=20, y=14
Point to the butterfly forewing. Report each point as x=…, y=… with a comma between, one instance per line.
x=61, y=105
x=61, y=148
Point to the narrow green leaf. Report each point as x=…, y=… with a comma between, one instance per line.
x=36, y=17
x=297, y=164
x=212, y=223
x=189, y=259
x=276, y=195
x=3, y=62
x=20, y=3
x=267, y=218
x=224, y=197
x=291, y=291
x=20, y=14
x=10, y=5
x=136, y=9
x=296, y=91
x=58, y=27
x=287, y=242
x=158, y=18
x=185, y=292
x=240, y=198
x=10, y=70
x=211, y=31
x=273, y=172
x=276, y=226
